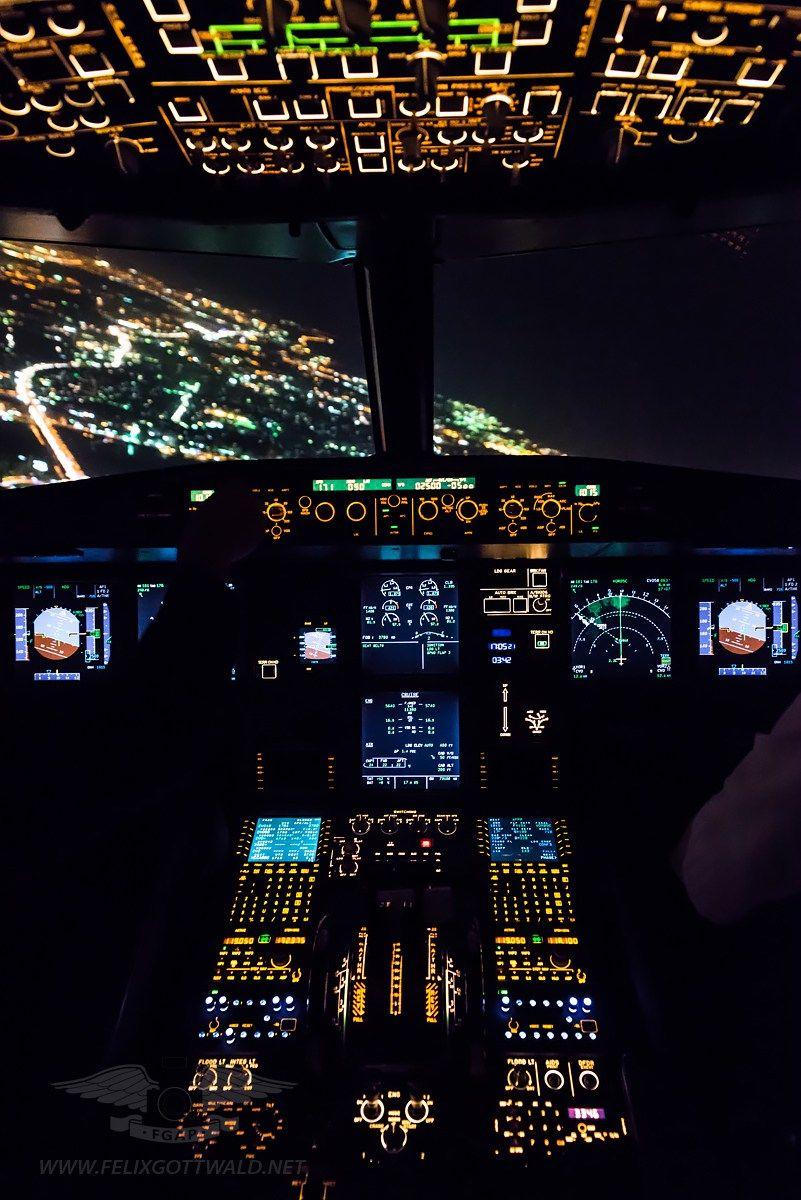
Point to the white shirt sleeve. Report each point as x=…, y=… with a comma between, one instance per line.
x=744, y=846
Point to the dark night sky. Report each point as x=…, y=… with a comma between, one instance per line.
x=681, y=350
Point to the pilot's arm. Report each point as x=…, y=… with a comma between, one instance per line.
x=743, y=848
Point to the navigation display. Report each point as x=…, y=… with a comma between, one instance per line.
x=522, y=839
x=410, y=623
x=149, y=599
x=285, y=839
x=61, y=630
x=410, y=740
x=620, y=627
x=748, y=624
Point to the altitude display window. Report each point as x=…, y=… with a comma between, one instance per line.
x=410, y=624
x=410, y=740
x=620, y=627
x=748, y=625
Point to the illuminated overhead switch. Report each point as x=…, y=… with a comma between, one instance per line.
x=312, y=108
x=377, y=165
x=125, y=153
x=668, y=68
x=14, y=105
x=181, y=41
x=492, y=62
x=652, y=106
x=452, y=106
x=411, y=156
x=736, y=112
x=354, y=18
x=186, y=111
x=625, y=65
x=359, y=66
x=325, y=163
x=82, y=95
x=369, y=143
x=427, y=65
x=16, y=29
x=91, y=63
x=270, y=110
x=167, y=10
x=446, y=163
x=542, y=102
x=611, y=102
x=696, y=110
x=758, y=73
x=365, y=107
x=495, y=111
x=534, y=33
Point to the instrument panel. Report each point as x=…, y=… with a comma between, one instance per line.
x=439, y=756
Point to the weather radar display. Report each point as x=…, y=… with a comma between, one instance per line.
x=620, y=627
x=61, y=630
x=748, y=625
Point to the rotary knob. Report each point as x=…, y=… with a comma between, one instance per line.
x=276, y=511
x=371, y=1110
x=467, y=509
x=520, y=1079
x=356, y=510
x=428, y=510
x=324, y=511
x=389, y=825
x=416, y=1111
x=447, y=826
x=587, y=513
x=513, y=509
x=554, y=1079
x=589, y=1080
x=551, y=507
x=393, y=1138
x=361, y=825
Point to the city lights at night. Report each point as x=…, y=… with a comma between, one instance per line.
x=105, y=368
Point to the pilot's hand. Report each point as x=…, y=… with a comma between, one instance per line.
x=226, y=528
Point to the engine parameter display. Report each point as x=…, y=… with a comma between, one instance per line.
x=410, y=623
x=61, y=630
x=620, y=627
x=410, y=740
x=522, y=839
x=285, y=839
x=748, y=624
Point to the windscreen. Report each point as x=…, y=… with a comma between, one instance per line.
x=119, y=361
x=679, y=351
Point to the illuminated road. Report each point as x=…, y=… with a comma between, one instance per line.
x=38, y=416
